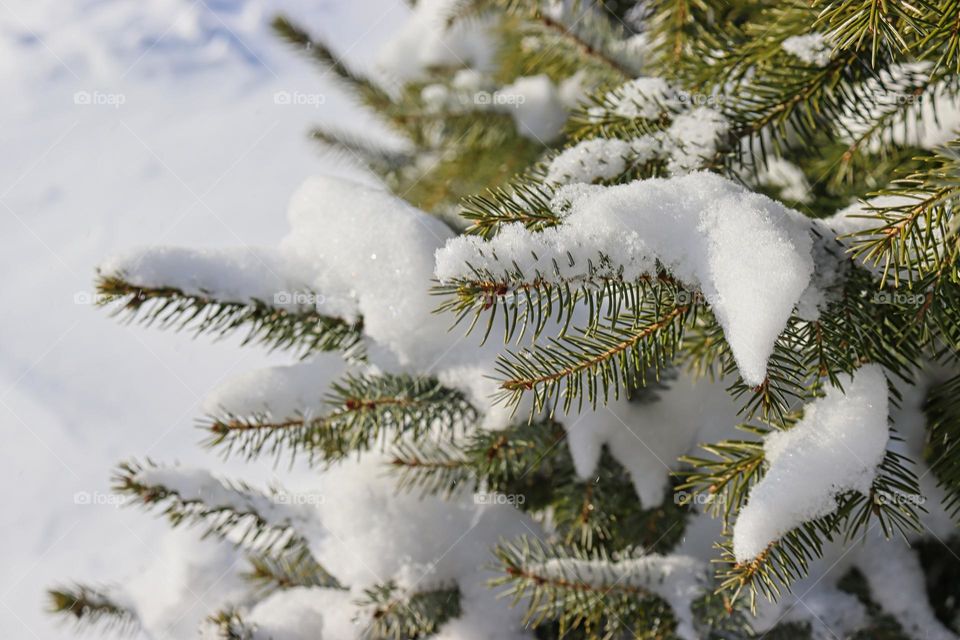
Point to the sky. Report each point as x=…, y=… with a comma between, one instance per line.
x=125, y=123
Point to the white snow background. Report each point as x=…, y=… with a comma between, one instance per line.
x=124, y=123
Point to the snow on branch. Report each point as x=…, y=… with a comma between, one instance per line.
x=838, y=446
x=233, y=511
x=707, y=231
x=344, y=270
x=94, y=607
x=597, y=592
x=223, y=291
x=358, y=410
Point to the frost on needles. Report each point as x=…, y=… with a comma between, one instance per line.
x=747, y=255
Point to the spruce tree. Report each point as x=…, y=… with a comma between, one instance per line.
x=651, y=332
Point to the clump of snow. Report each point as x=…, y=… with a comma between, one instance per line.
x=200, y=485
x=305, y=612
x=330, y=252
x=689, y=143
x=183, y=582
x=281, y=392
x=590, y=160
x=898, y=584
x=678, y=579
x=787, y=177
x=369, y=534
x=229, y=275
x=429, y=39
x=836, y=447
x=813, y=48
x=647, y=98
x=333, y=247
x=648, y=437
x=693, y=137
x=708, y=231
x=536, y=105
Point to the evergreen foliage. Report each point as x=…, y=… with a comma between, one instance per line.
x=581, y=335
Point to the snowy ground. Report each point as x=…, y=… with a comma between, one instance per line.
x=130, y=122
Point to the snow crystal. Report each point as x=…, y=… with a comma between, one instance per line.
x=812, y=48
x=708, y=231
x=836, y=447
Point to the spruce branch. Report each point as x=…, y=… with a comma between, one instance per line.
x=584, y=591
x=891, y=27
x=942, y=408
x=577, y=37
x=232, y=511
x=304, y=331
x=365, y=88
x=395, y=615
x=508, y=461
x=894, y=500
x=724, y=480
x=593, y=362
x=90, y=607
x=531, y=302
x=360, y=412
x=602, y=511
x=916, y=234
x=384, y=162
x=601, y=116
x=229, y=625
x=295, y=568
x=528, y=204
